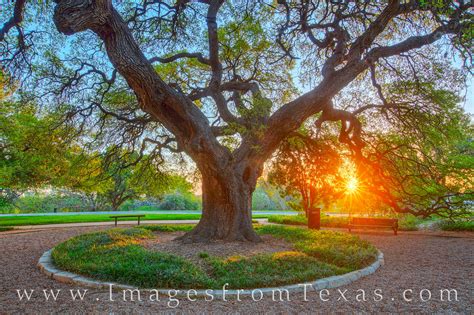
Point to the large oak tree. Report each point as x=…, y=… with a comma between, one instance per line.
x=216, y=79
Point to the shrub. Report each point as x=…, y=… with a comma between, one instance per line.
x=260, y=200
x=266, y=197
x=467, y=225
x=179, y=201
x=409, y=222
x=44, y=204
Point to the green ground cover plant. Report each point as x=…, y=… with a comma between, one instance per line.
x=117, y=255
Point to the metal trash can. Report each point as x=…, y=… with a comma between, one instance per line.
x=314, y=219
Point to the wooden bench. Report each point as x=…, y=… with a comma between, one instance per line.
x=128, y=216
x=374, y=223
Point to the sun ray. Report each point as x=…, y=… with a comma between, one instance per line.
x=352, y=185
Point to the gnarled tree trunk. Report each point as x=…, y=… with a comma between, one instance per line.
x=227, y=204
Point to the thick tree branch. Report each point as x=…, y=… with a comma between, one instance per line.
x=169, y=59
x=176, y=112
x=413, y=42
x=15, y=20
x=216, y=66
x=291, y=115
x=393, y=9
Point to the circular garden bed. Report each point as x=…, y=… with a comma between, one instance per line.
x=149, y=257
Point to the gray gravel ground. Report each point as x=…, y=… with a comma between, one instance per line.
x=413, y=261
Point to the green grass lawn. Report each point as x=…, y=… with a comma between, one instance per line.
x=57, y=219
x=117, y=255
x=155, y=208
x=326, y=221
x=5, y=228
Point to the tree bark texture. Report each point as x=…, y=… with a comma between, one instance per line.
x=227, y=204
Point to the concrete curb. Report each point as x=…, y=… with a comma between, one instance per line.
x=45, y=264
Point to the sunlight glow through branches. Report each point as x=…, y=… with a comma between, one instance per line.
x=352, y=185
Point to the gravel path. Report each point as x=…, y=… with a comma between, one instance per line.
x=413, y=261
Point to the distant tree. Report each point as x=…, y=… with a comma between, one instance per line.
x=179, y=200
x=308, y=170
x=261, y=200
x=33, y=150
x=423, y=162
x=271, y=195
x=108, y=180
x=37, y=151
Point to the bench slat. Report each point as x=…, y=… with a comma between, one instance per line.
x=374, y=222
x=138, y=216
x=371, y=225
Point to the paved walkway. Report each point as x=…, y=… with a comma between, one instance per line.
x=108, y=224
x=417, y=262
